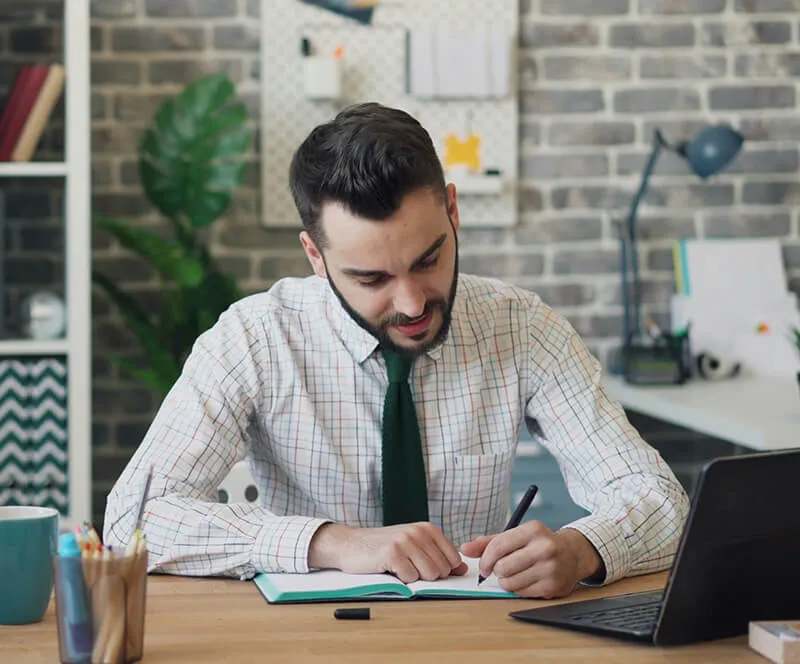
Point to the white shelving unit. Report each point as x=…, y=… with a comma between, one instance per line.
x=10, y=347
x=33, y=170
x=76, y=346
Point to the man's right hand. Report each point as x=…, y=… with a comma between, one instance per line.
x=411, y=551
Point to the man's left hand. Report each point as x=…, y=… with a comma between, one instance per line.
x=533, y=561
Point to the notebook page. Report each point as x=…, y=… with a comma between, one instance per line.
x=463, y=585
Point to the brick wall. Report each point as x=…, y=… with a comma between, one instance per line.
x=597, y=77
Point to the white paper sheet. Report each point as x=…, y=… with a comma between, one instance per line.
x=734, y=270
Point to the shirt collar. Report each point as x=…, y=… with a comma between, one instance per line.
x=360, y=343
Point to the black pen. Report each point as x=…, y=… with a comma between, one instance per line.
x=516, y=517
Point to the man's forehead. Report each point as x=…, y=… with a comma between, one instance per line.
x=347, y=233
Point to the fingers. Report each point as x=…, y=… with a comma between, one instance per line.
x=461, y=570
x=445, y=546
x=509, y=541
x=404, y=569
x=525, y=577
x=430, y=562
x=541, y=582
x=542, y=568
x=514, y=563
x=420, y=567
x=421, y=551
x=533, y=536
x=475, y=548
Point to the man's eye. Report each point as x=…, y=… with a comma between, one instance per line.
x=372, y=282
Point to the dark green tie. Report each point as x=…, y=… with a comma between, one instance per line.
x=405, y=497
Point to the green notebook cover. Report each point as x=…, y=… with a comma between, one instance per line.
x=333, y=586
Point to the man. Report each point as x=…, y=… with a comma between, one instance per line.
x=364, y=462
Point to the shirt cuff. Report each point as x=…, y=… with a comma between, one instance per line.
x=283, y=543
x=610, y=544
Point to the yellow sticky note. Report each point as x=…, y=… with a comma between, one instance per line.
x=462, y=153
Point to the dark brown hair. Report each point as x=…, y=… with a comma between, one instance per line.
x=368, y=158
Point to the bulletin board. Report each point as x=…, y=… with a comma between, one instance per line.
x=374, y=67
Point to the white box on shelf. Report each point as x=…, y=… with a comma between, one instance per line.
x=322, y=77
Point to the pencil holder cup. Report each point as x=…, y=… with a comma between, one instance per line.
x=100, y=607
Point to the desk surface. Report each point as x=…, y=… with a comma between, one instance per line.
x=213, y=620
x=758, y=412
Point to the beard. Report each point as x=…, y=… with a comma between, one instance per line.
x=380, y=331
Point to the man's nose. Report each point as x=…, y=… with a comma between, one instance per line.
x=409, y=299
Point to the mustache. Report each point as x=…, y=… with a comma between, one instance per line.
x=402, y=319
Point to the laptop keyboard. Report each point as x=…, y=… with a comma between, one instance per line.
x=636, y=618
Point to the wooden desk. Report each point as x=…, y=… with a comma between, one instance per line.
x=211, y=620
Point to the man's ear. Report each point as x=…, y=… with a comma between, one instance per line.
x=452, y=206
x=314, y=255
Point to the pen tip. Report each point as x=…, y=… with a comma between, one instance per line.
x=481, y=579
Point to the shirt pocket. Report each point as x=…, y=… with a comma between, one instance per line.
x=470, y=493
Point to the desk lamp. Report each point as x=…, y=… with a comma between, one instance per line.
x=708, y=153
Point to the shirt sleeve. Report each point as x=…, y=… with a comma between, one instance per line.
x=637, y=508
x=195, y=439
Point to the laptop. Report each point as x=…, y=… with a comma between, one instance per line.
x=738, y=560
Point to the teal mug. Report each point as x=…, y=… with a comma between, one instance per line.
x=28, y=540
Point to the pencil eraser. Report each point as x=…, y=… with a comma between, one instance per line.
x=352, y=614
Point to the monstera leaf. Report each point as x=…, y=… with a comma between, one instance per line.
x=192, y=156
x=167, y=257
x=191, y=161
x=163, y=368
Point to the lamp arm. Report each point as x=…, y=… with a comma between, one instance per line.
x=658, y=144
x=631, y=287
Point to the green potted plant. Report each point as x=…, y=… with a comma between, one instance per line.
x=191, y=161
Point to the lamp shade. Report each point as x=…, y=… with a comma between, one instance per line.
x=712, y=149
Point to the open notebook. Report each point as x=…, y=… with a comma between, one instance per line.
x=332, y=585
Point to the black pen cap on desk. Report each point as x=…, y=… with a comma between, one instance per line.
x=360, y=613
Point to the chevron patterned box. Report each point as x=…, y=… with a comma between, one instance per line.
x=33, y=432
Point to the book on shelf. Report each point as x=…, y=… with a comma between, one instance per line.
x=33, y=96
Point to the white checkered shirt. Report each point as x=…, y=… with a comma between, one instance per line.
x=288, y=381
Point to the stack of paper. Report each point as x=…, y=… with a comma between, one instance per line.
x=452, y=63
x=733, y=296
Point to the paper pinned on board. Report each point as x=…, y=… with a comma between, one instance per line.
x=731, y=269
x=459, y=63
